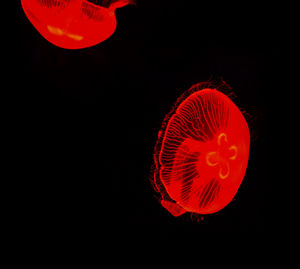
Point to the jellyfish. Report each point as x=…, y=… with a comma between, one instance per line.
x=73, y=24
x=202, y=152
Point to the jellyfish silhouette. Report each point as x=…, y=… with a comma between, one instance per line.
x=73, y=24
x=202, y=152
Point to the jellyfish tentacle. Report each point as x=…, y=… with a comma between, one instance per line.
x=120, y=3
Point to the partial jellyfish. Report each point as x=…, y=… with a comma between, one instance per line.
x=202, y=152
x=73, y=24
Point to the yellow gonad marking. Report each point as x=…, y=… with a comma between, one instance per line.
x=221, y=157
x=60, y=32
x=235, y=150
x=75, y=37
x=211, y=158
x=223, y=176
x=220, y=137
x=55, y=30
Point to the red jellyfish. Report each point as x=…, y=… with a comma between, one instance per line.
x=202, y=152
x=73, y=24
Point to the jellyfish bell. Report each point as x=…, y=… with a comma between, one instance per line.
x=73, y=24
x=202, y=152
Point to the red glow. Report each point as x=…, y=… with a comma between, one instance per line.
x=73, y=24
x=202, y=153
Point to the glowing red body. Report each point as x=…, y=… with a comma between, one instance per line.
x=73, y=24
x=203, y=154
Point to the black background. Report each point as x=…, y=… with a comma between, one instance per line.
x=89, y=118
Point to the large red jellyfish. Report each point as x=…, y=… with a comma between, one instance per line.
x=73, y=24
x=202, y=153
